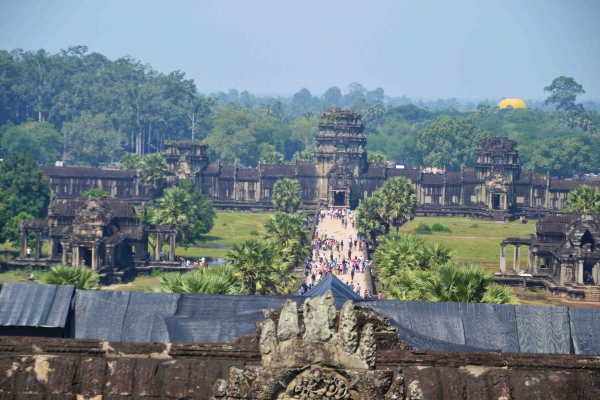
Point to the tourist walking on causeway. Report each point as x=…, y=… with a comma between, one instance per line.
x=28, y=251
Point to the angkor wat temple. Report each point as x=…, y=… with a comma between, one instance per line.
x=495, y=187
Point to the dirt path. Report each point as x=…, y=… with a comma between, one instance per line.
x=334, y=229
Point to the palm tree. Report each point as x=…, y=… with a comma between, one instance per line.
x=399, y=253
x=376, y=156
x=80, y=277
x=304, y=156
x=288, y=232
x=260, y=267
x=583, y=198
x=287, y=195
x=176, y=209
x=130, y=162
x=272, y=157
x=397, y=201
x=368, y=221
x=152, y=171
x=214, y=280
x=451, y=282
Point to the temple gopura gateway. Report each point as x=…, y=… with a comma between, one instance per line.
x=494, y=188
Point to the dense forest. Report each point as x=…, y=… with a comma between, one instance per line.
x=82, y=107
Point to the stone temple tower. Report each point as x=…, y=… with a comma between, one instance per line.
x=340, y=156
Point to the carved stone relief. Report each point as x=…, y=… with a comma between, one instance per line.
x=316, y=353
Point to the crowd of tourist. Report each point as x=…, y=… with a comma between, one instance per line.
x=339, y=256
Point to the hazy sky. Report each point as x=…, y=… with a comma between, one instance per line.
x=419, y=48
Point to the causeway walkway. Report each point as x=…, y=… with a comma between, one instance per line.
x=335, y=229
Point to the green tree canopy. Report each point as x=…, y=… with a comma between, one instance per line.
x=271, y=157
x=376, y=156
x=290, y=235
x=397, y=201
x=95, y=192
x=583, y=198
x=203, y=213
x=130, y=162
x=450, y=143
x=287, y=195
x=563, y=93
x=560, y=156
x=23, y=185
x=91, y=139
x=305, y=130
x=152, y=172
x=368, y=220
x=11, y=231
x=39, y=139
x=261, y=268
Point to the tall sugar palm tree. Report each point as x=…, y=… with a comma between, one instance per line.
x=176, y=208
x=80, y=277
x=368, y=220
x=288, y=232
x=583, y=198
x=259, y=265
x=215, y=280
x=451, y=282
x=397, y=201
x=287, y=195
x=152, y=172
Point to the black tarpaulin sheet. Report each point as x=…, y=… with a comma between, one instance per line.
x=145, y=317
x=543, y=329
x=220, y=318
x=35, y=305
x=439, y=321
x=585, y=330
x=490, y=326
x=338, y=288
x=397, y=312
x=100, y=314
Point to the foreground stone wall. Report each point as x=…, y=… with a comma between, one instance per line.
x=37, y=368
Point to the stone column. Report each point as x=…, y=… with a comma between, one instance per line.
x=38, y=244
x=517, y=260
x=94, y=256
x=172, y=246
x=158, y=247
x=503, y=259
x=75, y=256
x=64, y=255
x=529, y=259
x=23, y=243
x=580, y=273
x=536, y=263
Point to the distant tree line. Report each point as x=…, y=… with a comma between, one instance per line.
x=82, y=107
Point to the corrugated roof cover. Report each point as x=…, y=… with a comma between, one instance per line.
x=338, y=288
x=410, y=173
x=35, y=305
x=269, y=170
x=82, y=172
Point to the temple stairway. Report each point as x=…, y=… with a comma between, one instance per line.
x=498, y=215
x=592, y=293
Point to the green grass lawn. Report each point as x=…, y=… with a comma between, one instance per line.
x=229, y=227
x=475, y=241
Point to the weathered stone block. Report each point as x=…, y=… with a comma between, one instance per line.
x=175, y=375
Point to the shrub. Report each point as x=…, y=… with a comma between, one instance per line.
x=423, y=229
x=224, y=223
x=475, y=226
x=440, y=228
x=155, y=273
x=253, y=233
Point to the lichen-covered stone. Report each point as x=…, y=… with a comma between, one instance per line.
x=287, y=327
x=367, y=350
x=347, y=331
x=319, y=318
